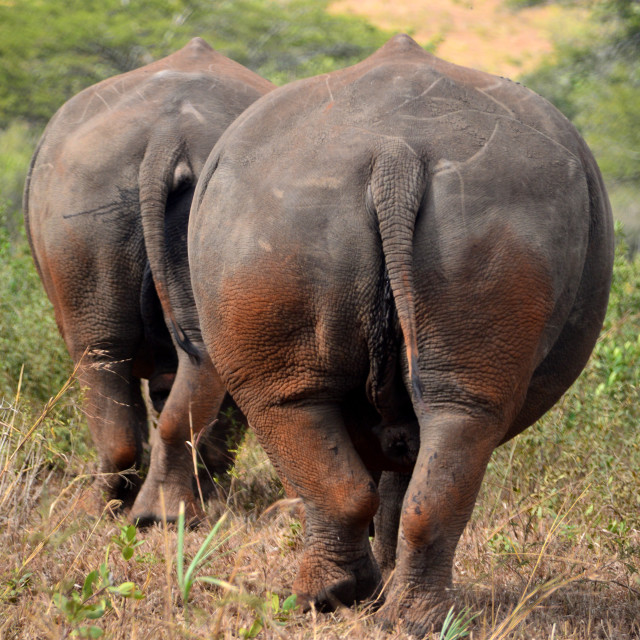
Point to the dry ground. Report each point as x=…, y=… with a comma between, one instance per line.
x=483, y=34
x=529, y=569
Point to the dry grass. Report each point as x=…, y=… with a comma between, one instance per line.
x=520, y=564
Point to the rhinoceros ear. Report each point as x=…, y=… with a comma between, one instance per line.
x=183, y=176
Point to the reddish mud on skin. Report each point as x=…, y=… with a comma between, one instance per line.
x=397, y=267
x=106, y=209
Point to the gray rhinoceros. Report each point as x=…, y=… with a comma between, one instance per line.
x=397, y=267
x=124, y=154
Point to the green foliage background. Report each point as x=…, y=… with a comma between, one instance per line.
x=50, y=50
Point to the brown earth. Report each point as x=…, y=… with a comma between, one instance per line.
x=484, y=34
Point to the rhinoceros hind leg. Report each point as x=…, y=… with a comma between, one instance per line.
x=392, y=488
x=311, y=448
x=192, y=405
x=117, y=420
x=454, y=451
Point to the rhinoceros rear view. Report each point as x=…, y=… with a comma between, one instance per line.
x=397, y=267
x=106, y=208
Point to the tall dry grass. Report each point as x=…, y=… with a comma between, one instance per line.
x=531, y=570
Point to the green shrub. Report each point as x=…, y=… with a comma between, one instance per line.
x=17, y=143
x=49, y=53
x=28, y=333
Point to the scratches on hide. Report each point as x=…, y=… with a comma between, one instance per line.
x=106, y=104
x=498, y=102
x=118, y=87
x=188, y=109
x=411, y=99
x=454, y=167
x=128, y=201
x=490, y=87
x=445, y=166
x=326, y=80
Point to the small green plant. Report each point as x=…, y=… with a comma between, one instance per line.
x=294, y=536
x=14, y=586
x=92, y=601
x=148, y=558
x=126, y=541
x=271, y=609
x=457, y=626
x=186, y=575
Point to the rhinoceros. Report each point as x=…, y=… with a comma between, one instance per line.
x=397, y=267
x=106, y=208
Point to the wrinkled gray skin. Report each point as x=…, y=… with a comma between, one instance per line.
x=397, y=267
x=122, y=155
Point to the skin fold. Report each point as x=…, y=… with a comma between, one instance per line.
x=397, y=267
x=106, y=209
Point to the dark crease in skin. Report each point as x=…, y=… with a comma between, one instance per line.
x=127, y=202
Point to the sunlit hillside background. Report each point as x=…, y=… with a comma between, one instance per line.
x=553, y=547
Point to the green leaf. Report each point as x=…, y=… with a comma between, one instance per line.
x=90, y=632
x=126, y=589
x=218, y=582
x=290, y=603
x=93, y=612
x=105, y=573
x=180, y=554
x=87, y=587
x=253, y=631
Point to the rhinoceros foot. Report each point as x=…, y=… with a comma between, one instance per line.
x=419, y=613
x=326, y=583
x=160, y=501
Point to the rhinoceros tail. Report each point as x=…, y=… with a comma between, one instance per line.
x=159, y=171
x=398, y=182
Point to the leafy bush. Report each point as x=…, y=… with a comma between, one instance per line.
x=28, y=333
x=594, y=79
x=17, y=142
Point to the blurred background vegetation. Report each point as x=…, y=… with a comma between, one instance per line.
x=50, y=50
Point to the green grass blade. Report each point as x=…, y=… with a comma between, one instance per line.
x=180, y=552
x=204, y=551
